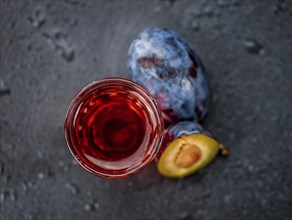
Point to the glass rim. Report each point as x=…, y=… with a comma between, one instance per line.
x=153, y=145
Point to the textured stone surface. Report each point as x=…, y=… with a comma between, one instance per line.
x=51, y=49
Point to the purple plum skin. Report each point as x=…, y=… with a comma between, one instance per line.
x=186, y=128
x=167, y=66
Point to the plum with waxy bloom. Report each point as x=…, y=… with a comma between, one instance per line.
x=169, y=68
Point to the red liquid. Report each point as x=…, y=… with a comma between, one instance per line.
x=110, y=126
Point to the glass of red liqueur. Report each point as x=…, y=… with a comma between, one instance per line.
x=113, y=128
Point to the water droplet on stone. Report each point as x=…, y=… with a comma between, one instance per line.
x=2, y=197
x=24, y=187
x=87, y=207
x=4, y=90
x=185, y=216
x=74, y=162
x=227, y=198
x=96, y=205
x=37, y=18
x=252, y=46
x=157, y=8
x=13, y=196
x=208, y=11
x=40, y=154
x=61, y=163
x=41, y=175
x=195, y=25
x=30, y=184
x=261, y=52
x=28, y=216
x=58, y=40
x=250, y=168
x=72, y=188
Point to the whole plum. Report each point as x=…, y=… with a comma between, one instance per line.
x=167, y=66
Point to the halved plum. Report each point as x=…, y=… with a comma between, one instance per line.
x=187, y=148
